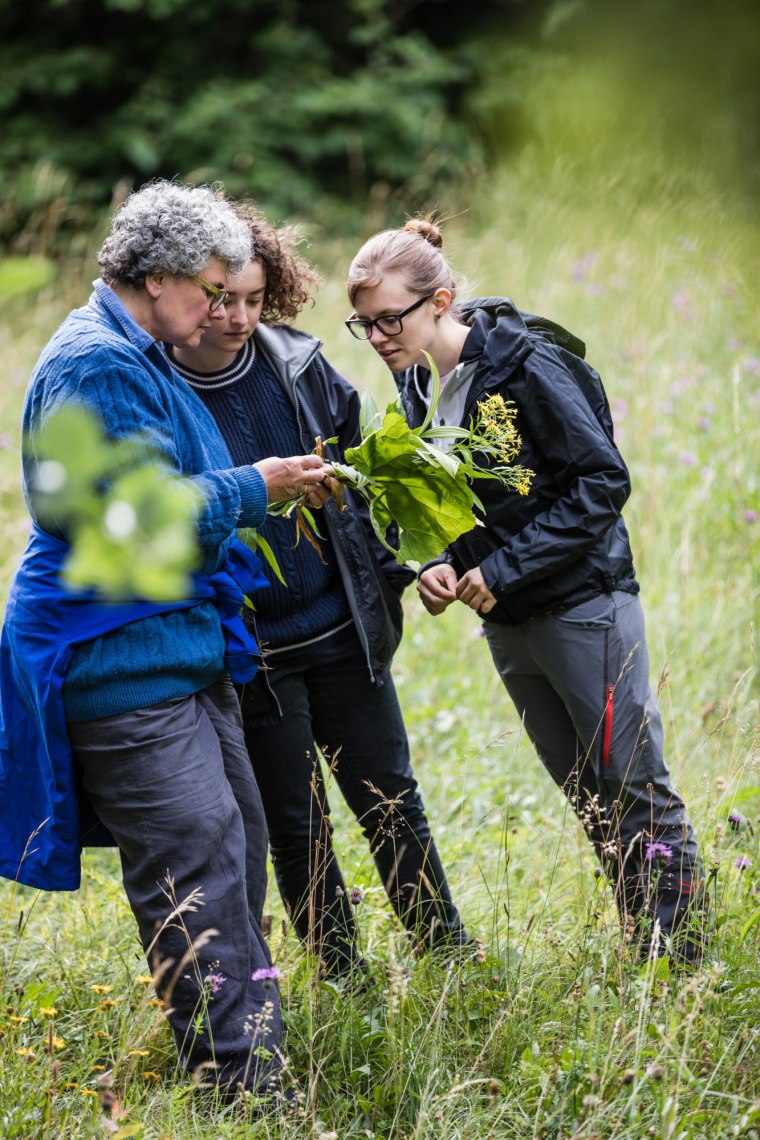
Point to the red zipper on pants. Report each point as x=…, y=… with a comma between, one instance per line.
x=607, y=738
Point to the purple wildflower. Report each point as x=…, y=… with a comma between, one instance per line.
x=580, y=269
x=752, y=364
x=750, y=516
x=656, y=851
x=742, y=862
x=216, y=981
x=355, y=895
x=682, y=302
x=266, y=974
x=705, y=424
x=687, y=458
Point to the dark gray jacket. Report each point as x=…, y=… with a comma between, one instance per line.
x=564, y=542
x=328, y=406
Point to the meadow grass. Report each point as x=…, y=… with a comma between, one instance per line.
x=552, y=1029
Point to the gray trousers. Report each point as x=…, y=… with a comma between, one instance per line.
x=174, y=785
x=580, y=682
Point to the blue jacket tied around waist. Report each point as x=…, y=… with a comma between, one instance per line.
x=43, y=825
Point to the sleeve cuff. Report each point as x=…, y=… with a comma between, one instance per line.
x=253, y=496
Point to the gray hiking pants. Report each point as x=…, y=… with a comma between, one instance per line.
x=174, y=785
x=580, y=682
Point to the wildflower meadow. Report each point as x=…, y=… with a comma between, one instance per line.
x=551, y=1027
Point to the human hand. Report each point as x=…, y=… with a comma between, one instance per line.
x=329, y=487
x=472, y=590
x=437, y=587
x=294, y=477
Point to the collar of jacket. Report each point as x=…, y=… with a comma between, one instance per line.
x=498, y=341
x=109, y=306
x=498, y=334
x=290, y=351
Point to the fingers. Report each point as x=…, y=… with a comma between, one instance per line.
x=293, y=477
x=437, y=588
x=318, y=494
x=473, y=592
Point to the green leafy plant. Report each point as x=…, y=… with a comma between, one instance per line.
x=427, y=491
x=131, y=528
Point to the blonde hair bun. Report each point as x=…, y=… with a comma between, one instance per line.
x=426, y=229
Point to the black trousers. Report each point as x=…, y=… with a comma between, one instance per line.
x=329, y=702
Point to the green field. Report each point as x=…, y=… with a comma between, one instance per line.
x=649, y=252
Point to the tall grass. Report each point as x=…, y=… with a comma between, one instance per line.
x=552, y=1029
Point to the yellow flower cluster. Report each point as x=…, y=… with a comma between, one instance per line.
x=497, y=422
x=498, y=430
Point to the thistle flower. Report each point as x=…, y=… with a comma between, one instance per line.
x=266, y=974
x=355, y=895
x=742, y=863
x=657, y=851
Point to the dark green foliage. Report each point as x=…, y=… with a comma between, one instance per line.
x=279, y=99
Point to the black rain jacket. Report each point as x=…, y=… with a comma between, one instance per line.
x=565, y=541
x=327, y=405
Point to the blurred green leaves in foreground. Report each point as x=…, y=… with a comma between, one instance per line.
x=131, y=524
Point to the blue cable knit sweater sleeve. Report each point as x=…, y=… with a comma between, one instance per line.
x=136, y=392
x=99, y=357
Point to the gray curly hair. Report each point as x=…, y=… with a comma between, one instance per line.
x=175, y=229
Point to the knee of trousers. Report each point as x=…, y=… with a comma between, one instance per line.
x=190, y=844
x=299, y=837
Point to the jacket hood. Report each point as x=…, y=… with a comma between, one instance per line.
x=498, y=333
x=503, y=333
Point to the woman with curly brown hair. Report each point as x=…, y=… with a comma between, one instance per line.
x=329, y=632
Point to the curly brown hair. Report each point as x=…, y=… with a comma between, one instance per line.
x=291, y=281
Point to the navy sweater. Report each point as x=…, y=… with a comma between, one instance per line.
x=257, y=419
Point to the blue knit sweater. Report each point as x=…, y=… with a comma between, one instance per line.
x=102, y=358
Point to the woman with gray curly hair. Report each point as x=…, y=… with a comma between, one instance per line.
x=120, y=723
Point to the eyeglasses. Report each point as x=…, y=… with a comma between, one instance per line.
x=216, y=297
x=389, y=326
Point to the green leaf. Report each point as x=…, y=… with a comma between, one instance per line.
x=435, y=392
x=369, y=415
x=425, y=491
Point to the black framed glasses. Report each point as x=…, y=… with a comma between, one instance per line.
x=216, y=297
x=390, y=325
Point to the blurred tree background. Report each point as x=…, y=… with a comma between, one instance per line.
x=340, y=110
